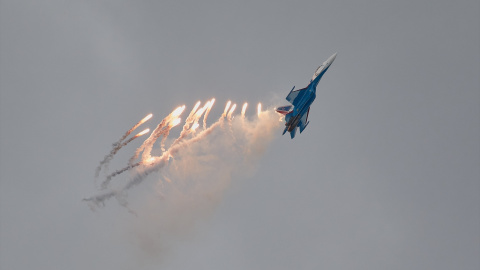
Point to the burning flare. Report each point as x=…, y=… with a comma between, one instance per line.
x=175, y=122
x=226, y=108
x=178, y=111
x=229, y=115
x=244, y=109
x=210, y=105
x=192, y=112
x=142, y=133
x=145, y=119
x=196, y=106
x=195, y=126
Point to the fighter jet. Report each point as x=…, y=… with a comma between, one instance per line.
x=296, y=115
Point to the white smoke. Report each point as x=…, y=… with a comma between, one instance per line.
x=189, y=178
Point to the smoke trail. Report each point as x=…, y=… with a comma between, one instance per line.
x=118, y=145
x=156, y=133
x=191, y=121
x=145, y=119
x=210, y=150
x=163, y=129
x=145, y=131
x=154, y=163
x=165, y=134
x=107, y=180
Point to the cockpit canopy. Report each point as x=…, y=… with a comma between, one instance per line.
x=317, y=72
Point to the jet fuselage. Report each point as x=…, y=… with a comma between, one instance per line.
x=301, y=100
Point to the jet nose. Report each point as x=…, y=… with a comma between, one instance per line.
x=332, y=58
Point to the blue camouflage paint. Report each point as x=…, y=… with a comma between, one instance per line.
x=301, y=100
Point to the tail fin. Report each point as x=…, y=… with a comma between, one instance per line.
x=302, y=127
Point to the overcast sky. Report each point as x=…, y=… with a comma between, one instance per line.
x=386, y=176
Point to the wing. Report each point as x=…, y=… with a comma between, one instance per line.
x=294, y=94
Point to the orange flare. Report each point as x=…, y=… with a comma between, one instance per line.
x=244, y=109
x=142, y=133
x=194, y=109
x=175, y=122
x=231, y=110
x=195, y=126
x=200, y=112
x=178, y=111
x=226, y=107
x=207, y=104
x=259, y=108
x=150, y=160
x=197, y=105
x=146, y=118
x=210, y=105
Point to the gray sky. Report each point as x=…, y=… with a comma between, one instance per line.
x=386, y=176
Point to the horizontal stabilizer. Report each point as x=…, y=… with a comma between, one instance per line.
x=284, y=109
